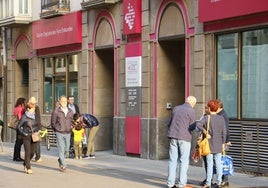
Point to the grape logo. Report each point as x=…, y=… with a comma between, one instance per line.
x=130, y=16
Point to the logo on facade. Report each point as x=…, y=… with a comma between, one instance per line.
x=130, y=16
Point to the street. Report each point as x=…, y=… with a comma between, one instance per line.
x=106, y=170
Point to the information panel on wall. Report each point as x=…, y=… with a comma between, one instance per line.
x=133, y=85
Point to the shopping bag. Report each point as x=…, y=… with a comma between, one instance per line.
x=227, y=165
x=36, y=137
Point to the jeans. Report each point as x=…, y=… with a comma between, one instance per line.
x=179, y=152
x=63, y=144
x=217, y=158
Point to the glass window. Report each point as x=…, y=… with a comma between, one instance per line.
x=248, y=83
x=60, y=78
x=254, y=74
x=23, y=6
x=227, y=58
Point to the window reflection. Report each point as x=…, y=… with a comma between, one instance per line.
x=58, y=80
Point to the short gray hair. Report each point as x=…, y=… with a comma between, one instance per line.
x=191, y=100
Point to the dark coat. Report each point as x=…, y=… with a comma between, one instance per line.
x=25, y=123
x=60, y=122
x=182, y=117
x=217, y=131
x=90, y=120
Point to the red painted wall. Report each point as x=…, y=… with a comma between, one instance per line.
x=211, y=10
x=59, y=31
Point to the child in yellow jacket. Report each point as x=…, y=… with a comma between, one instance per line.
x=79, y=132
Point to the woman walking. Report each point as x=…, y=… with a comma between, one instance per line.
x=26, y=126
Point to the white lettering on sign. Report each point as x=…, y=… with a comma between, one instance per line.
x=130, y=16
x=214, y=1
x=57, y=31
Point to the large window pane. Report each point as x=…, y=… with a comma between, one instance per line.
x=227, y=67
x=48, y=62
x=254, y=74
x=60, y=78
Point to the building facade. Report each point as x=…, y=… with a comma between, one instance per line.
x=129, y=62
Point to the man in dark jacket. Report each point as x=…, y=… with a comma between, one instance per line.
x=72, y=105
x=180, y=141
x=61, y=122
x=223, y=113
x=91, y=124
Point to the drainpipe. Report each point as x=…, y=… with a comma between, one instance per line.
x=4, y=82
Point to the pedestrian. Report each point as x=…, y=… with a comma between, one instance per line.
x=61, y=122
x=78, y=132
x=179, y=133
x=72, y=105
x=91, y=123
x=18, y=111
x=37, y=152
x=216, y=135
x=228, y=143
x=26, y=126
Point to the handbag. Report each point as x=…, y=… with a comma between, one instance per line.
x=227, y=165
x=203, y=145
x=13, y=122
x=36, y=137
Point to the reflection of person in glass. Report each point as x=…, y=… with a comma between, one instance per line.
x=61, y=122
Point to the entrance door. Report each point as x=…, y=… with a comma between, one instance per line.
x=104, y=95
x=22, y=79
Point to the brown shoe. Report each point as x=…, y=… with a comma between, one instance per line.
x=188, y=186
x=63, y=169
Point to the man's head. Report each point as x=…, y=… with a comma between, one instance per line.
x=191, y=100
x=71, y=99
x=63, y=102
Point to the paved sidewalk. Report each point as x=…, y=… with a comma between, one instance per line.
x=106, y=170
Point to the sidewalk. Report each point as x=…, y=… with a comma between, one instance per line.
x=106, y=170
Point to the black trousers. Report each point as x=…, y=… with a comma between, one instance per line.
x=17, y=146
x=37, y=151
x=29, y=148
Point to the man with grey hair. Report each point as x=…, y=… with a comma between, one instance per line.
x=180, y=137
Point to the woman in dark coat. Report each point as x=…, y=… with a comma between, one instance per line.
x=217, y=136
x=27, y=125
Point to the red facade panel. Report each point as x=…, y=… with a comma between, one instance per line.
x=59, y=31
x=211, y=10
x=132, y=16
